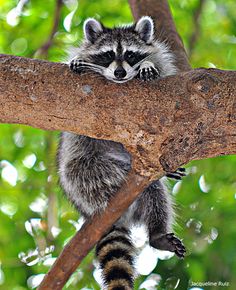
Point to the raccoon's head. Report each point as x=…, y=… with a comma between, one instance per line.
x=117, y=53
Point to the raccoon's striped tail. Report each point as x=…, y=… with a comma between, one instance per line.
x=115, y=253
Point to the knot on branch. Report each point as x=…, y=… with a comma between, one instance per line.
x=208, y=86
x=203, y=82
x=173, y=148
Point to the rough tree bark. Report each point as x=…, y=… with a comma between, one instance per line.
x=188, y=116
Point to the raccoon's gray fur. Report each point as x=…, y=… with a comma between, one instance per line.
x=91, y=171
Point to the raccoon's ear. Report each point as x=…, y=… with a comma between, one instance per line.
x=92, y=29
x=145, y=28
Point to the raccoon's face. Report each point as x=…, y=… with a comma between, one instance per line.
x=117, y=53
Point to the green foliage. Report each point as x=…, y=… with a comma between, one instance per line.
x=30, y=200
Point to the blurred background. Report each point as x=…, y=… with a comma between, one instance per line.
x=36, y=219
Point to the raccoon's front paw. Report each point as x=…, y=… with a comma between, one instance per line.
x=168, y=242
x=147, y=71
x=76, y=65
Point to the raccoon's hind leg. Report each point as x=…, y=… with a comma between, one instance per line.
x=168, y=242
x=115, y=253
x=154, y=209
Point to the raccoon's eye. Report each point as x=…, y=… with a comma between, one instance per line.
x=104, y=58
x=133, y=57
x=109, y=55
x=130, y=55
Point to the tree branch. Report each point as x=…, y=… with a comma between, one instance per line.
x=166, y=31
x=43, y=50
x=90, y=233
x=163, y=124
x=196, y=24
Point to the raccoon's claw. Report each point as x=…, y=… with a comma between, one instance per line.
x=147, y=71
x=76, y=66
x=178, y=174
x=168, y=242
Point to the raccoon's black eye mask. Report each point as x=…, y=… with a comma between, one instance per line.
x=104, y=58
x=134, y=57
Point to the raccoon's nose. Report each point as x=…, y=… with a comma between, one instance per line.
x=120, y=72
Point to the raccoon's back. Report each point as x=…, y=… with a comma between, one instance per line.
x=91, y=170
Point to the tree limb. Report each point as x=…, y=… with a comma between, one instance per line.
x=166, y=31
x=162, y=124
x=43, y=50
x=196, y=26
x=91, y=232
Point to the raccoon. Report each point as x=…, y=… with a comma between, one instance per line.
x=123, y=53
x=92, y=170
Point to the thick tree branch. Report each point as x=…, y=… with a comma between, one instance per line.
x=166, y=31
x=163, y=124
